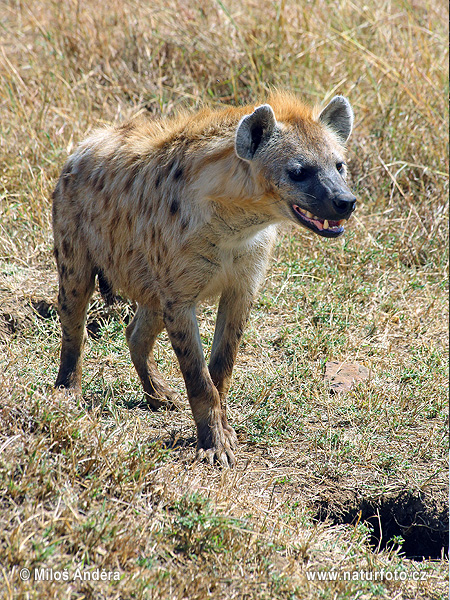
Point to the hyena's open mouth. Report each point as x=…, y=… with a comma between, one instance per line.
x=323, y=227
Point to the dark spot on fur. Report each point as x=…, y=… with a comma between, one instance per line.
x=62, y=271
x=157, y=181
x=197, y=384
x=55, y=253
x=66, y=247
x=94, y=179
x=178, y=173
x=211, y=262
x=128, y=183
x=167, y=317
x=114, y=224
x=180, y=336
x=141, y=201
x=67, y=338
x=129, y=221
x=84, y=163
x=100, y=182
x=75, y=292
x=174, y=206
x=111, y=239
x=169, y=305
x=183, y=225
x=64, y=307
x=177, y=350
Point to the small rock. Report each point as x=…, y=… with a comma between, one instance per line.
x=342, y=376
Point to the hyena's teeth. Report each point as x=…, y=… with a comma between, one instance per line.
x=309, y=215
x=325, y=224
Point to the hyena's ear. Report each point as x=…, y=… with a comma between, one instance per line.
x=253, y=130
x=338, y=116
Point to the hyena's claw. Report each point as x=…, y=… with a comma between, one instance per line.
x=228, y=459
x=224, y=459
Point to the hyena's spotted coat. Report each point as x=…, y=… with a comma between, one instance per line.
x=172, y=212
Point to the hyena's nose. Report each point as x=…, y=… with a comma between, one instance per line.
x=344, y=204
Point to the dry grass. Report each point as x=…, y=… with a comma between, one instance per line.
x=101, y=484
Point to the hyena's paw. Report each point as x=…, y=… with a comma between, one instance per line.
x=68, y=387
x=163, y=398
x=230, y=432
x=216, y=444
x=71, y=396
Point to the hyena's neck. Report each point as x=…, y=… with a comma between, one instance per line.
x=238, y=205
x=220, y=176
x=237, y=227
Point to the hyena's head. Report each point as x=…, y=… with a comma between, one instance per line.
x=300, y=158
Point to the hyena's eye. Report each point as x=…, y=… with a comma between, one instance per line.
x=298, y=174
x=340, y=166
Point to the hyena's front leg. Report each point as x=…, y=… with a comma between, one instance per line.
x=141, y=335
x=214, y=441
x=232, y=316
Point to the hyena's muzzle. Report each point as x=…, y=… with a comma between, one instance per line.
x=327, y=201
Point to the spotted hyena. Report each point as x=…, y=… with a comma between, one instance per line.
x=172, y=212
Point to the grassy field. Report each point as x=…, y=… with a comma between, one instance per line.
x=333, y=496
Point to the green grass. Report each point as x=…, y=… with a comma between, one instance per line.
x=98, y=483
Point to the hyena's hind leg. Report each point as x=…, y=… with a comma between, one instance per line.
x=141, y=335
x=75, y=291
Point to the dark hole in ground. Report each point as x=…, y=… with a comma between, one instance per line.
x=423, y=526
x=44, y=309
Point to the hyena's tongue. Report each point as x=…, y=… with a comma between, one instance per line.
x=316, y=221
